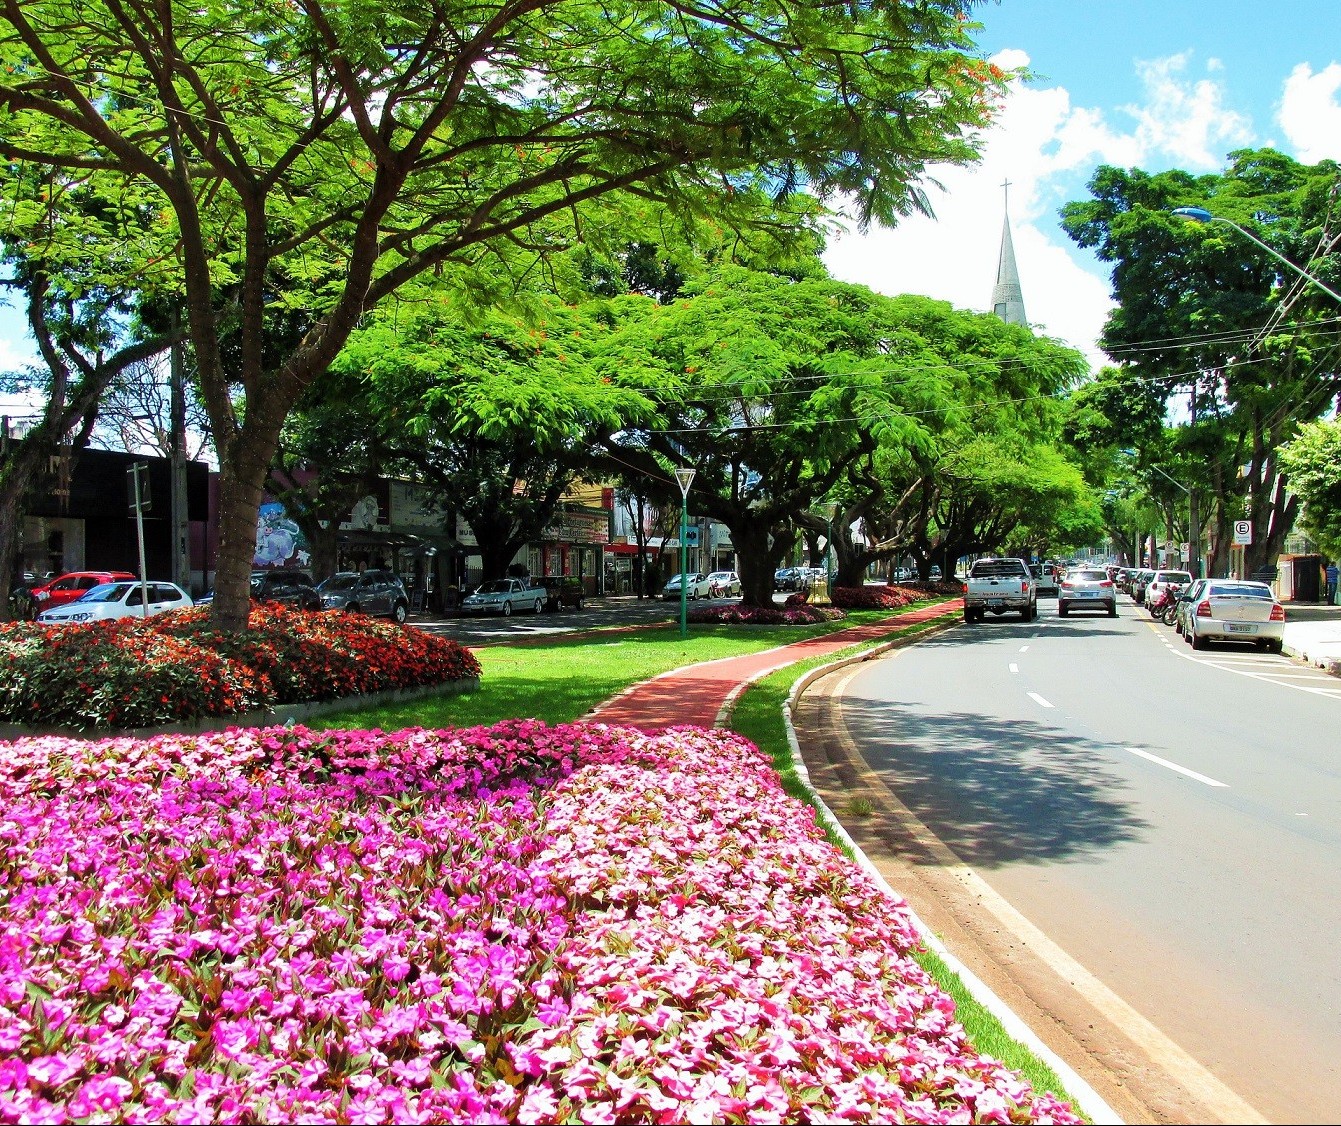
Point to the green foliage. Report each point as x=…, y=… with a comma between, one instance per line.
x=1313, y=463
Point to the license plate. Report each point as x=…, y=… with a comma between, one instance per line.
x=1087, y=594
x=995, y=604
x=1234, y=627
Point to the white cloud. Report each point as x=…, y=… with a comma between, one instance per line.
x=1310, y=112
x=1186, y=120
x=1047, y=148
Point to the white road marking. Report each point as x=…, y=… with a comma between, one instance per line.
x=1024, y=648
x=1042, y=703
x=1180, y=769
x=1014, y=667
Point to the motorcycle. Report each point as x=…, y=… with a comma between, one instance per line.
x=1165, y=607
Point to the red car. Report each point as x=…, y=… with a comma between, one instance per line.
x=75, y=585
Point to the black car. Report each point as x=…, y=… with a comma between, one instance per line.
x=380, y=593
x=291, y=588
x=560, y=592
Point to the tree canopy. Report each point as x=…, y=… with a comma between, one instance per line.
x=302, y=161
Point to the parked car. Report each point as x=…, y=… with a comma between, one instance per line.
x=379, y=593
x=70, y=587
x=506, y=597
x=559, y=591
x=119, y=600
x=1139, y=581
x=291, y=588
x=1086, y=588
x=696, y=587
x=1161, y=579
x=1045, y=577
x=1236, y=610
x=792, y=578
x=1187, y=602
x=725, y=584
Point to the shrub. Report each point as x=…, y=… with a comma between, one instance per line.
x=789, y=615
x=177, y=667
x=873, y=597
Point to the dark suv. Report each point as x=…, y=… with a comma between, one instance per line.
x=293, y=588
x=560, y=592
x=380, y=593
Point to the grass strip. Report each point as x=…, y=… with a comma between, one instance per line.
x=758, y=716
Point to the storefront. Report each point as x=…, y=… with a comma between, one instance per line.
x=574, y=546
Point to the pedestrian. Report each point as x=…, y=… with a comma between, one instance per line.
x=1331, y=583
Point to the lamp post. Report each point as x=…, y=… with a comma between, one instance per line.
x=830, y=511
x=1193, y=531
x=684, y=478
x=1201, y=215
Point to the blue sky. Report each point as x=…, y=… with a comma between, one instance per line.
x=1134, y=83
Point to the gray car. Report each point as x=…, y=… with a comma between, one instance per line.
x=1086, y=588
x=379, y=593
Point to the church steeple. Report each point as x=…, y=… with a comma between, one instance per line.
x=1007, y=300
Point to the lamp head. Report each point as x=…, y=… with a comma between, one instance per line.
x=684, y=478
x=1196, y=214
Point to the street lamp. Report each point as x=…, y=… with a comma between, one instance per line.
x=1192, y=530
x=684, y=478
x=1201, y=215
x=830, y=511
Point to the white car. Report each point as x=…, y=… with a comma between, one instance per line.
x=1156, y=586
x=1235, y=610
x=724, y=584
x=697, y=587
x=119, y=600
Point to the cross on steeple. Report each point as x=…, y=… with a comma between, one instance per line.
x=1007, y=300
x=1005, y=192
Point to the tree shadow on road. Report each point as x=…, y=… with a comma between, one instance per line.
x=998, y=792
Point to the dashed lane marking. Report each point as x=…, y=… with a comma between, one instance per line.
x=1174, y=766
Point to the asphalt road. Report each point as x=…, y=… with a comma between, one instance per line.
x=1170, y=820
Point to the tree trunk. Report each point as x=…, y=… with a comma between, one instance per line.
x=758, y=561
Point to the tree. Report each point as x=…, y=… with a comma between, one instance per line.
x=319, y=156
x=771, y=389
x=495, y=416
x=1205, y=314
x=1313, y=462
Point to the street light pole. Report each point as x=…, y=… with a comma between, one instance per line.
x=684, y=478
x=1193, y=531
x=830, y=510
x=1201, y=215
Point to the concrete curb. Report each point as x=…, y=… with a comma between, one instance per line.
x=1086, y=1097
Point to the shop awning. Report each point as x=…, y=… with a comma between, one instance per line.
x=628, y=548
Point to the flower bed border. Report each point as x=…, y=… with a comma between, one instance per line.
x=257, y=717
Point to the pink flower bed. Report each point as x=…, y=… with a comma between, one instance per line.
x=508, y=924
x=800, y=614
x=874, y=597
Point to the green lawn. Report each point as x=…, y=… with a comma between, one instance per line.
x=561, y=680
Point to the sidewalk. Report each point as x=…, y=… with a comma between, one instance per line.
x=699, y=693
x=1313, y=634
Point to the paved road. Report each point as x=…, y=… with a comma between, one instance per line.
x=1170, y=821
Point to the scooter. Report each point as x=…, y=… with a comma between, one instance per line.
x=1165, y=607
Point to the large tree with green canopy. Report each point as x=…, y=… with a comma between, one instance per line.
x=1209, y=320
x=314, y=156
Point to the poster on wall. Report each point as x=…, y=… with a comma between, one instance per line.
x=279, y=541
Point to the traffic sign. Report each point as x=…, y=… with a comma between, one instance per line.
x=1185, y=551
x=1243, y=532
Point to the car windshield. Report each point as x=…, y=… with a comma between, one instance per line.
x=498, y=586
x=994, y=568
x=1241, y=590
x=1088, y=576
x=345, y=580
x=1173, y=577
x=107, y=592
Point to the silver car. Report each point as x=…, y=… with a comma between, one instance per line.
x=1236, y=610
x=503, y=596
x=725, y=584
x=380, y=593
x=1087, y=588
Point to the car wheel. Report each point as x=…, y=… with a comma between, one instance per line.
x=1062, y=609
x=1276, y=645
x=969, y=616
x=1112, y=609
x=1199, y=642
x=351, y=607
x=399, y=613
x=507, y=609
x=539, y=606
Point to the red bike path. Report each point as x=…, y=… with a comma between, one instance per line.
x=697, y=694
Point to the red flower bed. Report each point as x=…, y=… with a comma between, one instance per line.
x=874, y=597
x=177, y=666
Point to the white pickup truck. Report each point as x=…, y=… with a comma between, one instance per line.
x=996, y=585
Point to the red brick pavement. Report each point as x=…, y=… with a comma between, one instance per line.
x=697, y=693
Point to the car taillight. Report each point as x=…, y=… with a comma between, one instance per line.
x=1278, y=613
x=1105, y=583
x=1066, y=585
x=1204, y=609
